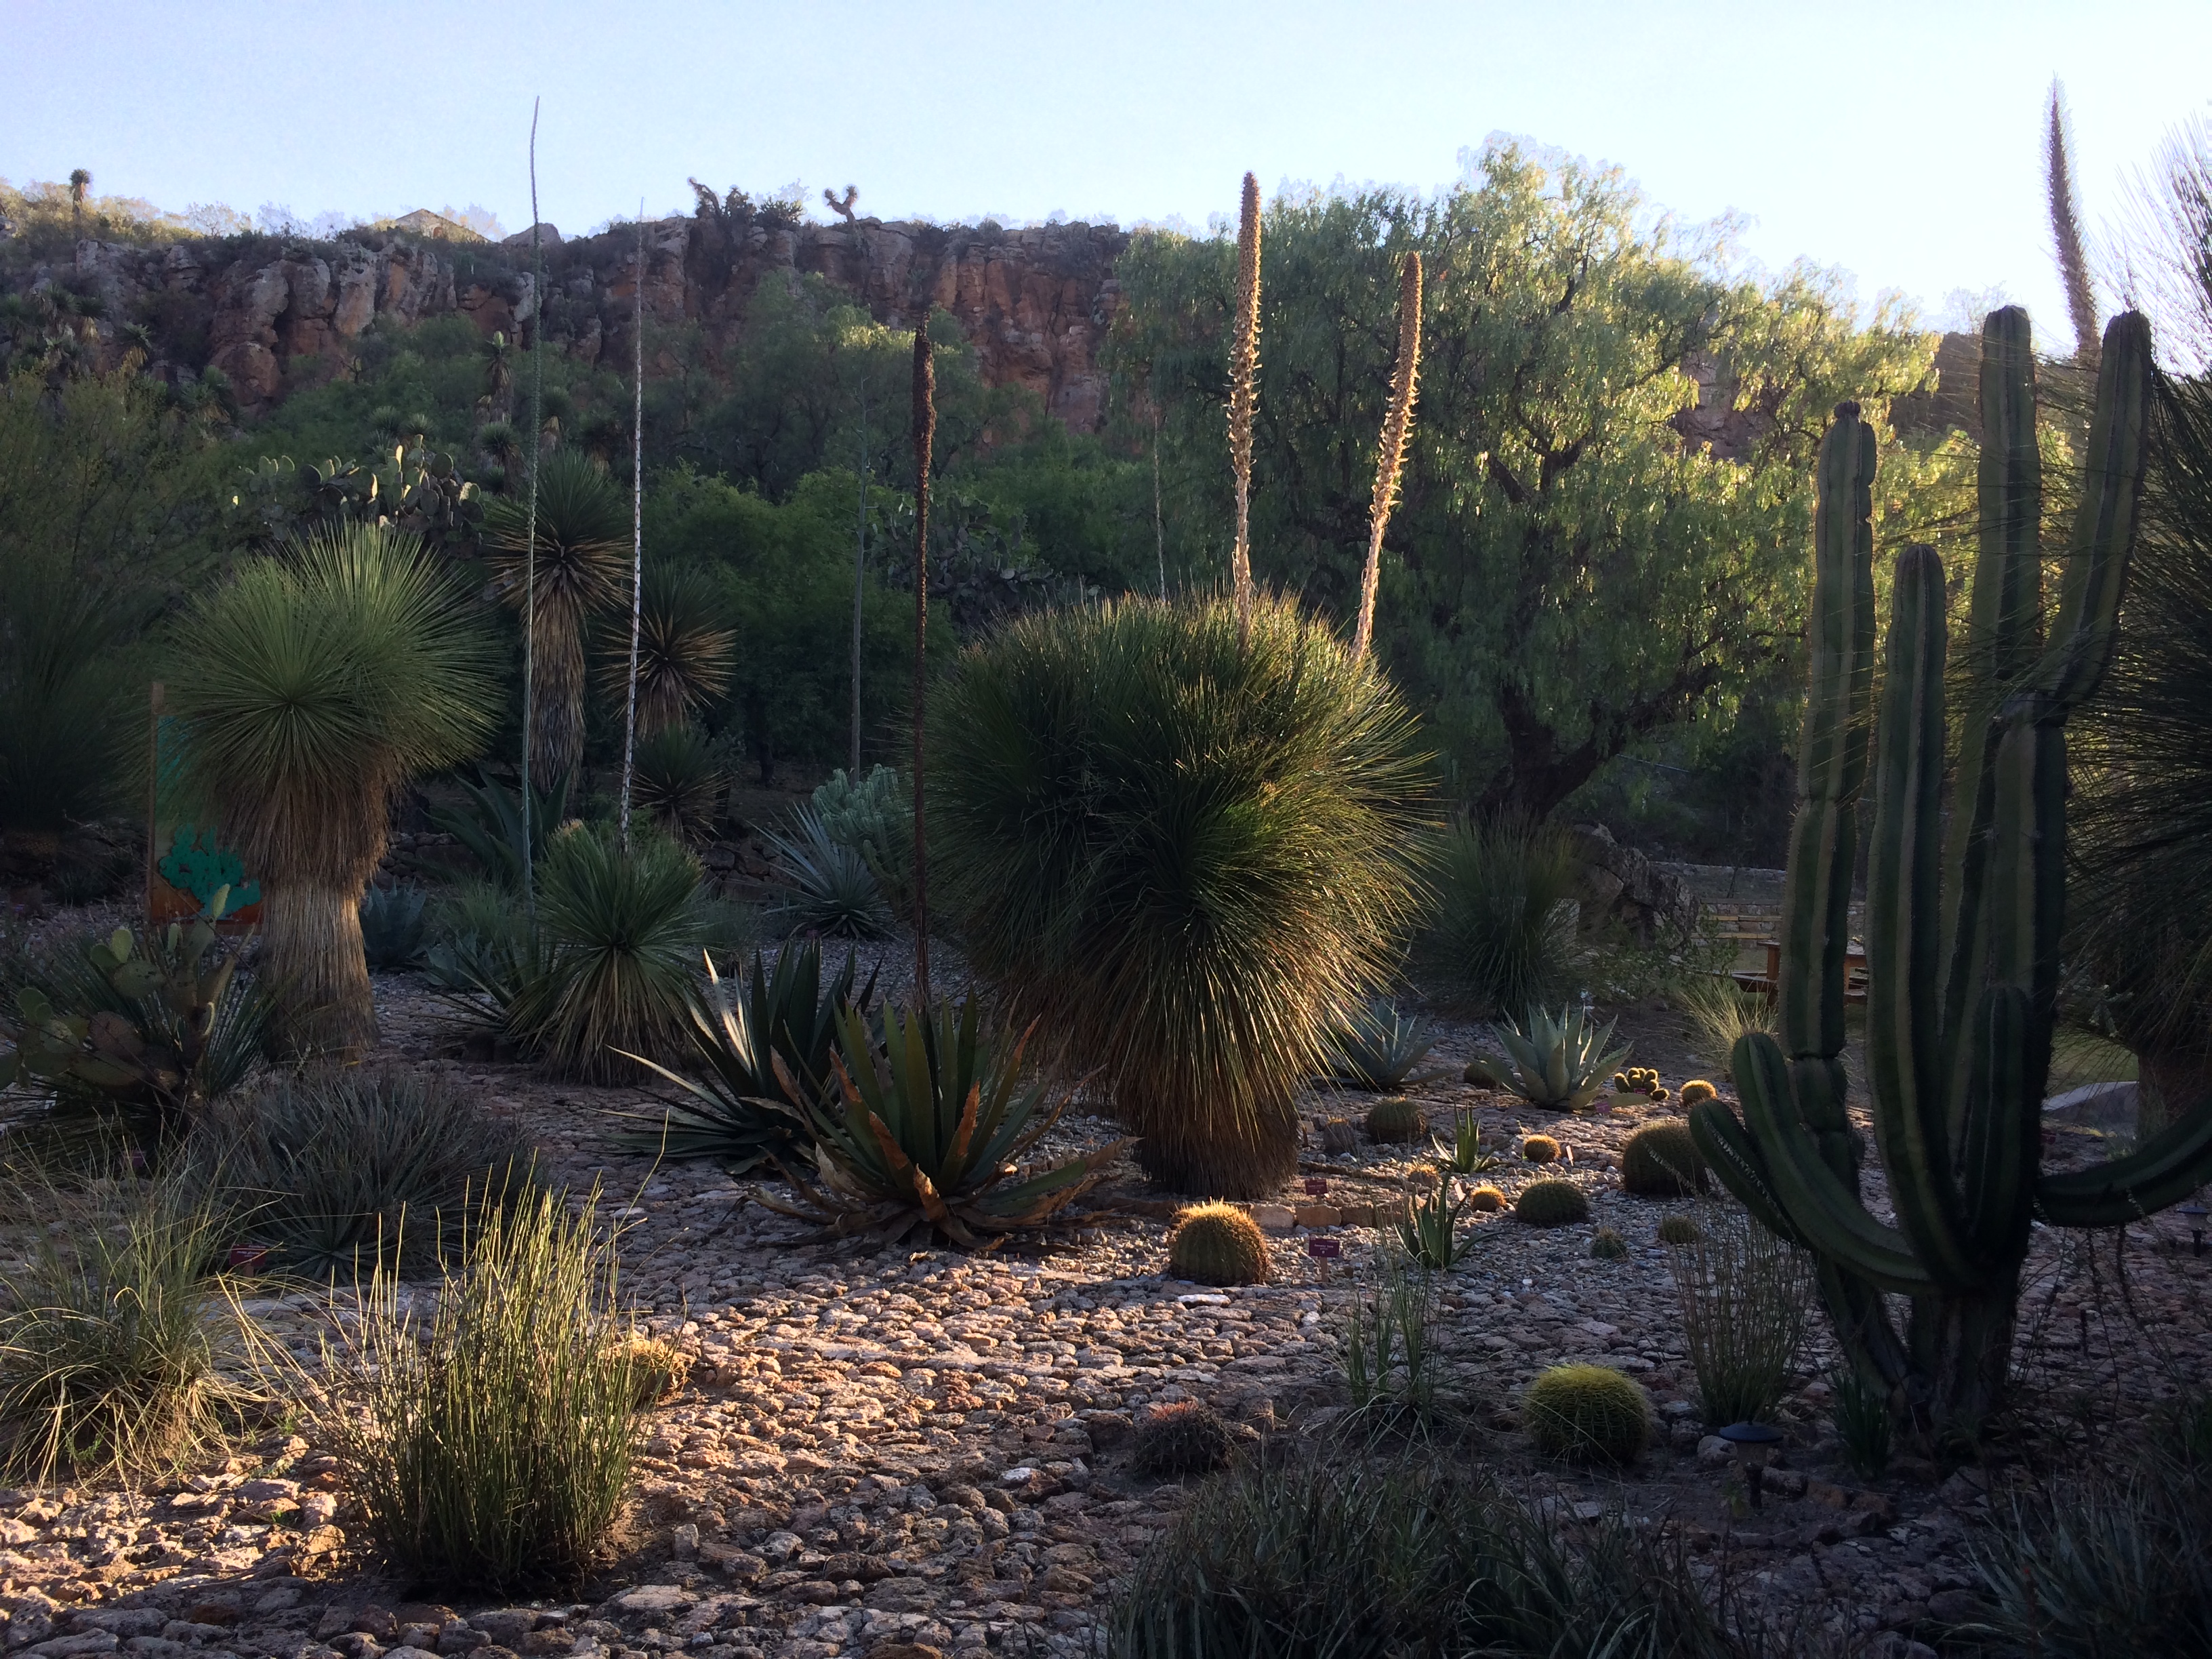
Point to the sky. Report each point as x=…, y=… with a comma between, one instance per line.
x=1901, y=142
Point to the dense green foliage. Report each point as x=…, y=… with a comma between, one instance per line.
x=1189, y=860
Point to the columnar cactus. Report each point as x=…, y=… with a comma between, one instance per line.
x=1962, y=938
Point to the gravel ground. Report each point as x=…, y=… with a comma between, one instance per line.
x=917, y=1449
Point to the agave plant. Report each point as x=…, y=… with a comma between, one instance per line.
x=743, y=1035
x=1465, y=1155
x=391, y=927
x=935, y=1119
x=1428, y=1229
x=1381, y=1051
x=1558, y=1064
x=831, y=887
x=489, y=824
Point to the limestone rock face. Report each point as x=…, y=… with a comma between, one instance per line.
x=1621, y=882
x=1035, y=303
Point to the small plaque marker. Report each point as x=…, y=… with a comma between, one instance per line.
x=1325, y=1249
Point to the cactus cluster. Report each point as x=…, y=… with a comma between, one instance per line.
x=1552, y=1202
x=1963, y=921
x=1661, y=1160
x=1185, y=1436
x=1587, y=1414
x=1638, y=1080
x=1218, y=1244
x=1396, y=1122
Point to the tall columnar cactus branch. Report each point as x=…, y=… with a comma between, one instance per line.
x=1245, y=393
x=1390, y=453
x=1960, y=998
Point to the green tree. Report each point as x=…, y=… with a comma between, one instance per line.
x=1604, y=503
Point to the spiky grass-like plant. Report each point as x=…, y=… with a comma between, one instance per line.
x=1244, y=392
x=684, y=651
x=1390, y=455
x=311, y=687
x=676, y=781
x=1744, y=1296
x=489, y=1442
x=1503, y=934
x=583, y=554
x=1186, y=858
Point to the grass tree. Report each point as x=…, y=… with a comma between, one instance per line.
x=582, y=553
x=312, y=686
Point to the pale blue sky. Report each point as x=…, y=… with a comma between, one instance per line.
x=1898, y=141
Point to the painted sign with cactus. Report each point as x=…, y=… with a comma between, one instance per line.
x=1963, y=924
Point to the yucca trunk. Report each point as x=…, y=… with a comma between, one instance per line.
x=312, y=951
x=1250, y=1157
x=557, y=731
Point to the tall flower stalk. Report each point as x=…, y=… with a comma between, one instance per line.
x=925, y=434
x=2066, y=233
x=1389, y=459
x=636, y=531
x=530, y=566
x=1244, y=395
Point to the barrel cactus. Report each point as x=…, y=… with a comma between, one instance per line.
x=1679, y=1230
x=1539, y=1149
x=1607, y=1245
x=1962, y=926
x=1552, y=1203
x=1218, y=1244
x=1696, y=1090
x=1397, y=1122
x=1587, y=1414
x=1487, y=1198
x=1661, y=1160
x=1185, y=1436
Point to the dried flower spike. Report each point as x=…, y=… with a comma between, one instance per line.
x=1390, y=457
x=1244, y=394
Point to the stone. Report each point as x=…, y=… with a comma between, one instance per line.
x=1274, y=1217
x=72, y=1647
x=656, y=1598
x=1956, y=1607
x=1315, y=1215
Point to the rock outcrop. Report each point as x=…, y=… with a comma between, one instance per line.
x=276, y=315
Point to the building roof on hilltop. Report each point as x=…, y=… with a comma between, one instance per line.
x=423, y=222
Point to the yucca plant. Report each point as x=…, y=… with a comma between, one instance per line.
x=735, y=1110
x=1502, y=933
x=343, y=1172
x=488, y=1441
x=1187, y=856
x=830, y=888
x=582, y=553
x=933, y=1120
x=684, y=651
x=1380, y=1050
x=311, y=687
x=1428, y=1231
x=676, y=781
x=621, y=931
x=1558, y=1063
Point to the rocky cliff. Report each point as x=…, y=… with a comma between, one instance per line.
x=274, y=316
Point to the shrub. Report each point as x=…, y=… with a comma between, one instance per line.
x=1485, y=1198
x=1396, y=1122
x=1218, y=1244
x=1661, y=1160
x=1721, y=1013
x=1859, y=1408
x=1188, y=854
x=1381, y=1051
x=1540, y=1149
x=108, y=1354
x=1681, y=1230
x=309, y=688
x=932, y=1123
x=351, y=1170
x=621, y=933
x=830, y=888
x=1607, y=1245
x=1558, y=1064
x=391, y=927
x=1504, y=931
x=1183, y=1437
x=1744, y=1296
x=1587, y=1413
x=489, y=1443
x=738, y=1036
x=1322, y=1557
x=1552, y=1203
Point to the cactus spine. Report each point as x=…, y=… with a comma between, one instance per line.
x=1962, y=980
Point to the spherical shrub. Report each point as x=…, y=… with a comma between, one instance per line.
x=1607, y=1245
x=1590, y=1413
x=1183, y=1437
x=1552, y=1203
x=1486, y=1199
x=1339, y=1134
x=1539, y=1149
x=1217, y=1244
x=1697, y=1090
x=1182, y=847
x=1661, y=1160
x=1679, y=1230
x=1396, y=1122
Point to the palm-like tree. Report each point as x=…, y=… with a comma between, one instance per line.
x=313, y=687
x=583, y=554
x=682, y=650
x=80, y=181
